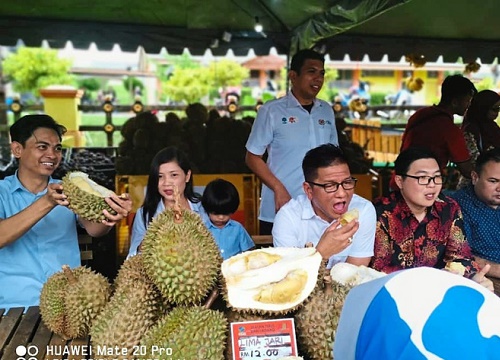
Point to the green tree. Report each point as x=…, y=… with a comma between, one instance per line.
x=227, y=72
x=89, y=84
x=131, y=83
x=187, y=85
x=32, y=69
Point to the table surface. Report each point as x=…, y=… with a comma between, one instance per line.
x=29, y=331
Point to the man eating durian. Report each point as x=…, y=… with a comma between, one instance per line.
x=329, y=215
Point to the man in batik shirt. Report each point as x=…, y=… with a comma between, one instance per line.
x=416, y=226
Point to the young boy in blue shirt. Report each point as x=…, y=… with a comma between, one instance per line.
x=220, y=200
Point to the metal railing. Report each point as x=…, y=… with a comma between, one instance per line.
x=391, y=115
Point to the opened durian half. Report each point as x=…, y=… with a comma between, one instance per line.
x=270, y=280
x=85, y=196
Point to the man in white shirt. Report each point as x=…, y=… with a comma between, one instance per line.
x=287, y=128
x=314, y=216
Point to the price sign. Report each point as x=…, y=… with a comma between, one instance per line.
x=263, y=340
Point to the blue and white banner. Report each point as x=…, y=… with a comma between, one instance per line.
x=420, y=313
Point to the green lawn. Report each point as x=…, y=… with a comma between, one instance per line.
x=98, y=138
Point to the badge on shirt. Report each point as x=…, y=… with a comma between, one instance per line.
x=290, y=120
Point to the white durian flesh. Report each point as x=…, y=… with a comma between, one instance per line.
x=271, y=279
x=88, y=185
x=349, y=274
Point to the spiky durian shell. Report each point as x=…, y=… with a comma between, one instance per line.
x=85, y=204
x=316, y=321
x=191, y=333
x=126, y=318
x=182, y=258
x=133, y=309
x=131, y=271
x=69, y=307
x=52, y=306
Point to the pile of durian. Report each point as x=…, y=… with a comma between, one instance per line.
x=178, y=294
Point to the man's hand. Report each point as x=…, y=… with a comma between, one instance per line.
x=481, y=278
x=281, y=197
x=121, y=204
x=336, y=238
x=55, y=195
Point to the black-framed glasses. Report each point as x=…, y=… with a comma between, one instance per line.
x=330, y=187
x=426, y=180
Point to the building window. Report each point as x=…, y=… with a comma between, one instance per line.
x=254, y=74
x=377, y=73
x=432, y=74
x=344, y=74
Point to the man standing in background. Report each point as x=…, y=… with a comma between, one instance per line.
x=287, y=128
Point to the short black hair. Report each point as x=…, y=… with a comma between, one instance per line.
x=320, y=157
x=492, y=154
x=409, y=156
x=220, y=197
x=24, y=128
x=301, y=56
x=456, y=86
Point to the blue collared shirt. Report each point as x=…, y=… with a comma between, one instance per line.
x=27, y=263
x=232, y=239
x=287, y=131
x=481, y=223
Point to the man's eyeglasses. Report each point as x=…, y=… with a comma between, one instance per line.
x=426, y=180
x=330, y=187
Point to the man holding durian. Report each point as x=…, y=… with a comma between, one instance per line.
x=38, y=232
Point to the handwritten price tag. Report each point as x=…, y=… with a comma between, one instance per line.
x=263, y=340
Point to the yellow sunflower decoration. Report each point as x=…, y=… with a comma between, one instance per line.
x=358, y=105
x=414, y=83
x=471, y=67
x=416, y=61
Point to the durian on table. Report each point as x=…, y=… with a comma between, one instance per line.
x=71, y=299
x=85, y=196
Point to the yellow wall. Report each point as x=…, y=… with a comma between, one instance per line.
x=390, y=84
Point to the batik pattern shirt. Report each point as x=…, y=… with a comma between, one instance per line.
x=402, y=242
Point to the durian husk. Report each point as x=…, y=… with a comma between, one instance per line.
x=181, y=257
x=191, y=333
x=270, y=271
x=316, y=321
x=89, y=205
x=71, y=300
x=133, y=309
x=126, y=318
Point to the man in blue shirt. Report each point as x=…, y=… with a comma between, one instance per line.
x=37, y=230
x=480, y=207
x=286, y=129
